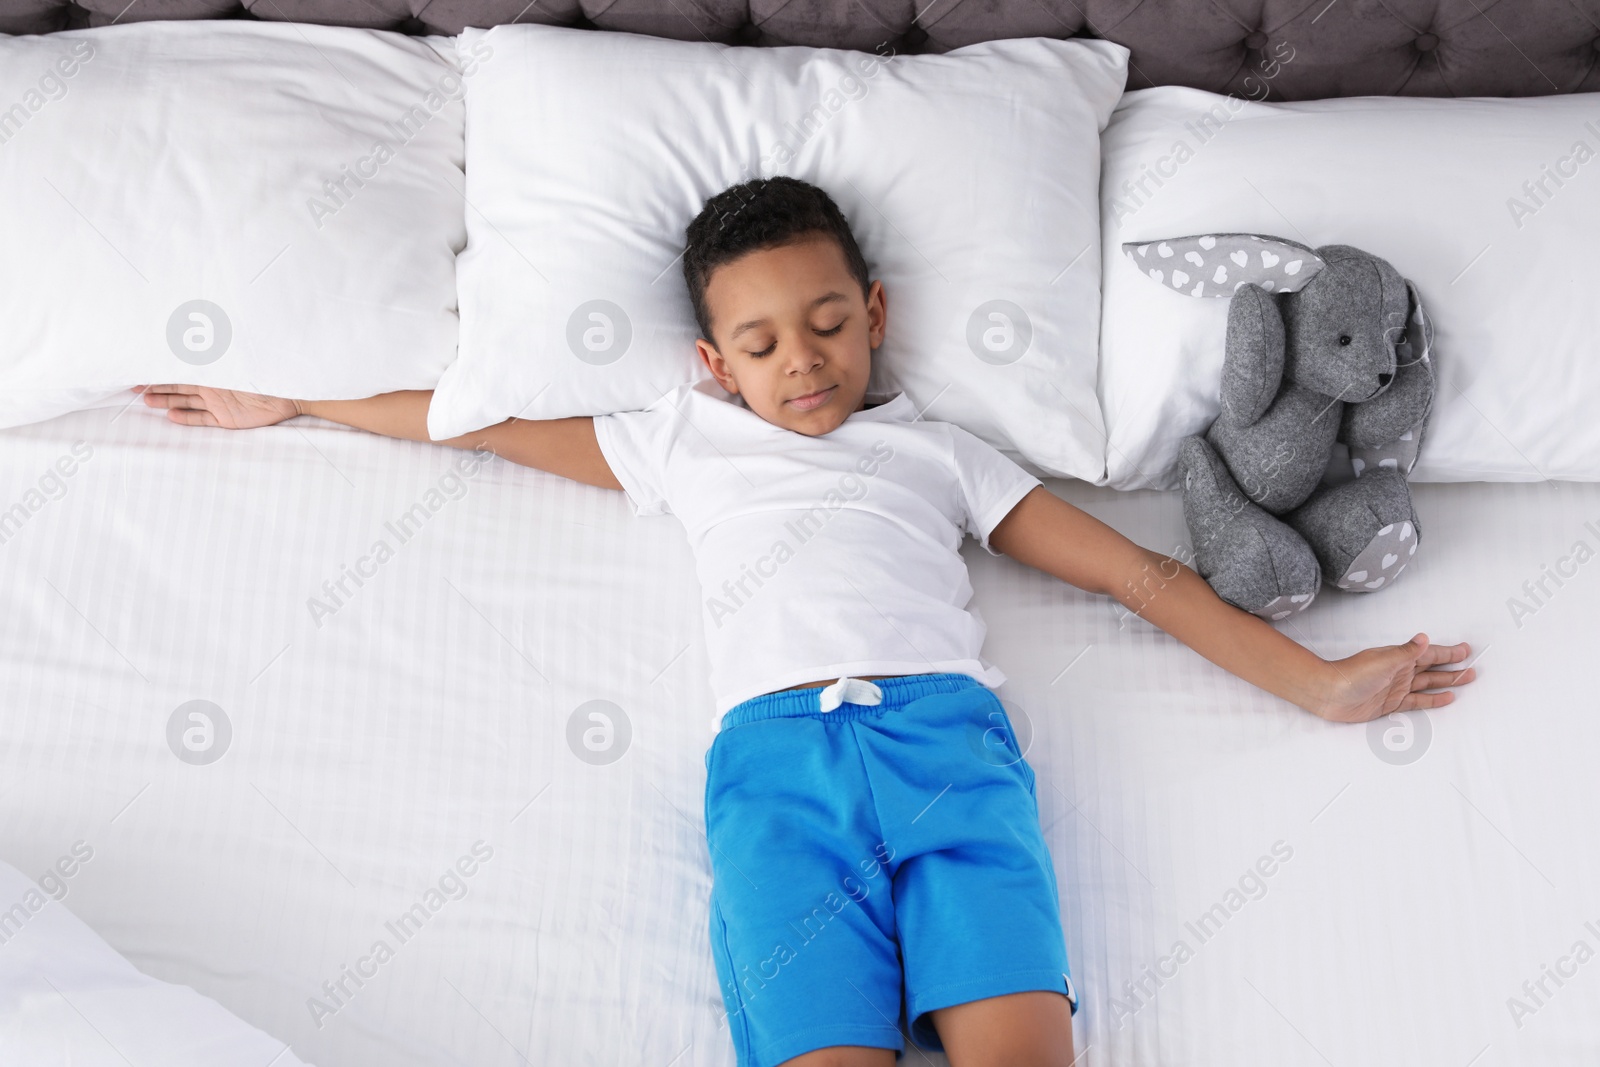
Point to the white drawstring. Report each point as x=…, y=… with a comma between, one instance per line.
x=850, y=690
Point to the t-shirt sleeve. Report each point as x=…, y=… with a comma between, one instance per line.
x=637, y=446
x=990, y=482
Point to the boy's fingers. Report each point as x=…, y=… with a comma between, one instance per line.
x=1410, y=652
x=1446, y=653
x=1439, y=679
x=1424, y=701
x=192, y=418
x=173, y=400
x=170, y=391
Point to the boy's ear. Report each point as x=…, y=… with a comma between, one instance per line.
x=715, y=364
x=877, y=314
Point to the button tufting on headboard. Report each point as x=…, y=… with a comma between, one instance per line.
x=1300, y=51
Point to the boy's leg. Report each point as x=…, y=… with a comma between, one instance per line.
x=802, y=934
x=844, y=1056
x=977, y=909
x=1017, y=1030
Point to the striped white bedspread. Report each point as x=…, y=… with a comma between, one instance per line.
x=381, y=834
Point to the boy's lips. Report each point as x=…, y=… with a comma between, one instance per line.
x=813, y=400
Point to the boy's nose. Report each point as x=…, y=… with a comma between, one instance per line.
x=806, y=360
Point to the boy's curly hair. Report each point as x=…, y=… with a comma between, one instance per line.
x=757, y=214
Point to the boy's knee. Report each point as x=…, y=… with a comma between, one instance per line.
x=844, y=1056
x=1032, y=1029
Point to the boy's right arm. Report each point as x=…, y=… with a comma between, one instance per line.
x=561, y=446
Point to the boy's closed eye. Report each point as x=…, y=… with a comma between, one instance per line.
x=820, y=333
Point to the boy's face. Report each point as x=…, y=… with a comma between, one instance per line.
x=790, y=322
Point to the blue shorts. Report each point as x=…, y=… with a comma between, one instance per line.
x=872, y=864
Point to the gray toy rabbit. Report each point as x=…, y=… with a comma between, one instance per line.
x=1326, y=347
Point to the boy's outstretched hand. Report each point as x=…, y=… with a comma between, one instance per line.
x=199, y=405
x=1378, y=681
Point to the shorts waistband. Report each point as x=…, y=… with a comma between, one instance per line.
x=897, y=693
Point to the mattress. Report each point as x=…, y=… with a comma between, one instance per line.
x=323, y=708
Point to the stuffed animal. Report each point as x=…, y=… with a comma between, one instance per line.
x=1326, y=347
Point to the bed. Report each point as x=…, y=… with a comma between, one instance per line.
x=1417, y=883
x=351, y=801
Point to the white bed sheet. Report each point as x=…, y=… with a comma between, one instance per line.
x=430, y=712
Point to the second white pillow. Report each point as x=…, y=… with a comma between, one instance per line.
x=970, y=181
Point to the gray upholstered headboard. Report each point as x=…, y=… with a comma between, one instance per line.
x=1263, y=49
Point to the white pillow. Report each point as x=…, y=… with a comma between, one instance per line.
x=1442, y=189
x=68, y=997
x=969, y=179
x=167, y=217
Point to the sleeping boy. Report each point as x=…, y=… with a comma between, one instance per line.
x=873, y=871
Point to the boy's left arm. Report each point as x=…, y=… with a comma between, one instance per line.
x=1046, y=532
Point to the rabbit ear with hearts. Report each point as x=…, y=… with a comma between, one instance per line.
x=1216, y=264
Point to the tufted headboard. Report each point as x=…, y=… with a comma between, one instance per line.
x=1263, y=49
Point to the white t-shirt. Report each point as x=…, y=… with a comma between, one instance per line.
x=820, y=557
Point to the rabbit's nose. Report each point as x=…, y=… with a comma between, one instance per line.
x=1384, y=379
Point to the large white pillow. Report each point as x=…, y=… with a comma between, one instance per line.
x=241, y=204
x=969, y=179
x=66, y=996
x=1491, y=206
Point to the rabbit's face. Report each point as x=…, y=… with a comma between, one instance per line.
x=1341, y=330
